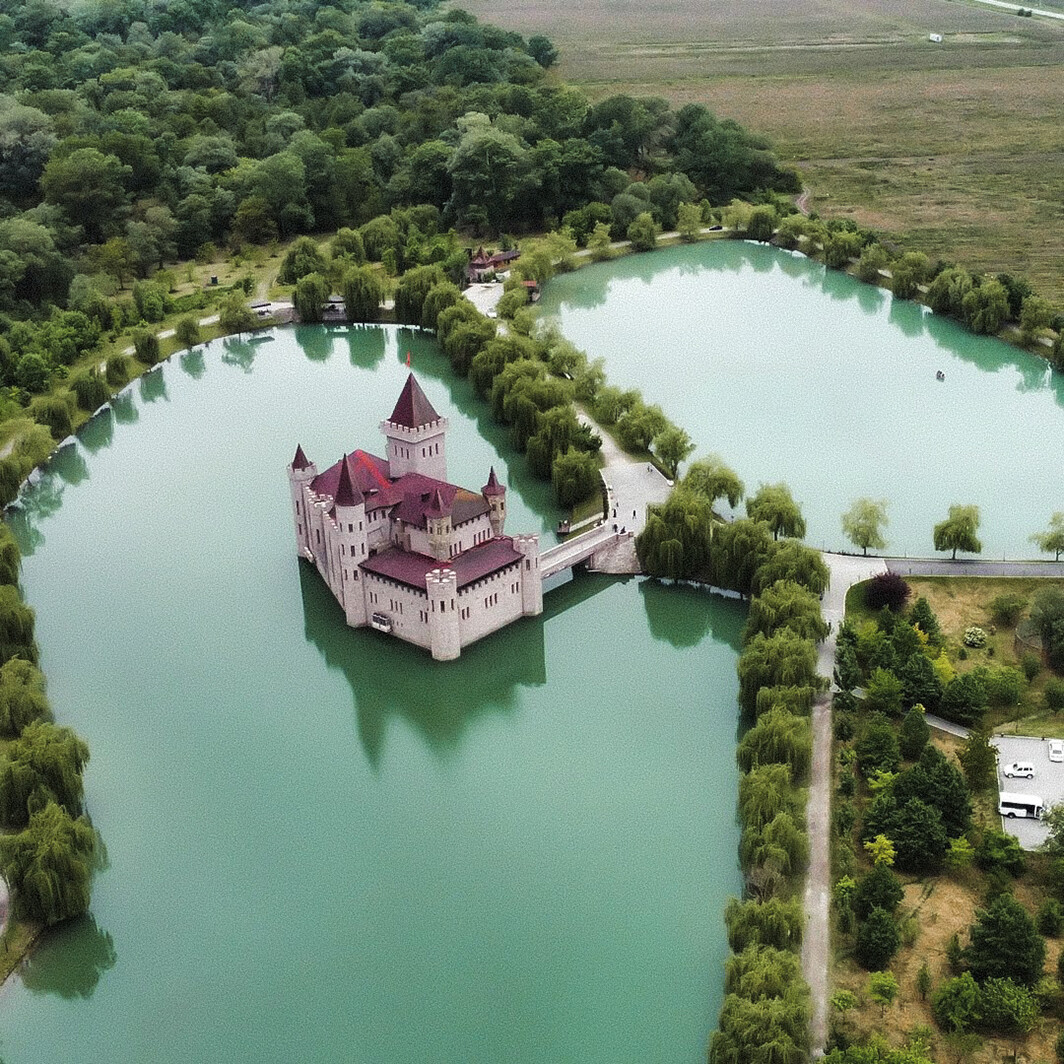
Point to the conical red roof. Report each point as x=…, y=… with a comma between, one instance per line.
x=493, y=487
x=300, y=460
x=346, y=492
x=437, y=508
x=413, y=409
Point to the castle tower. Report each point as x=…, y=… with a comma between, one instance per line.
x=300, y=473
x=445, y=638
x=350, y=516
x=495, y=493
x=531, y=578
x=441, y=532
x=416, y=435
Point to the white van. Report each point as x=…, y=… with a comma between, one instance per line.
x=1020, y=805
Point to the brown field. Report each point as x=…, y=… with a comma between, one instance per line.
x=956, y=149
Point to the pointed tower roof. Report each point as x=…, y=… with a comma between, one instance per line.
x=493, y=487
x=300, y=460
x=413, y=409
x=437, y=507
x=346, y=492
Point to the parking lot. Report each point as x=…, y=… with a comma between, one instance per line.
x=1048, y=783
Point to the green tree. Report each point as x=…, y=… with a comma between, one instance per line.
x=1052, y=540
x=955, y=1004
x=785, y=605
x=10, y=555
x=22, y=697
x=764, y=792
x=1007, y=1007
x=684, y=519
x=781, y=659
x=643, y=232
x=883, y=693
x=914, y=733
x=882, y=990
x=689, y=221
x=978, y=759
x=310, y=296
x=575, y=476
x=363, y=293
x=773, y=504
x=187, y=331
x=49, y=865
x=89, y=187
x=146, y=346
x=879, y=889
x=1004, y=943
x=598, y=242
x=863, y=522
x=672, y=446
x=877, y=748
x=778, y=737
x=986, y=308
x=776, y=923
x=302, y=258
x=44, y=764
x=710, y=477
x=16, y=626
x=413, y=290
x=1037, y=314
x=790, y=560
x=878, y=939
x=958, y=531
x=235, y=316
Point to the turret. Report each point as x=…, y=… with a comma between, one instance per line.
x=300, y=473
x=445, y=637
x=349, y=513
x=440, y=530
x=531, y=578
x=495, y=494
x=416, y=435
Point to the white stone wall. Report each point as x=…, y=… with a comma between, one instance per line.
x=466, y=535
x=489, y=604
x=420, y=450
x=407, y=609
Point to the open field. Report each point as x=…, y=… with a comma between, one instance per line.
x=957, y=149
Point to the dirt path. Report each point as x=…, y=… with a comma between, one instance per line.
x=802, y=202
x=845, y=571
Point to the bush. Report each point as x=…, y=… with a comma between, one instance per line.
x=914, y=733
x=880, y=889
x=1006, y=609
x=955, y=1004
x=1054, y=694
x=118, y=370
x=90, y=391
x=974, y=636
x=187, y=332
x=54, y=414
x=1031, y=664
x=146, y=345
x=1050, y=918
x=997, y=849
x=886, y=590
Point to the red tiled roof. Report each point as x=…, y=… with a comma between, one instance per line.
x=418, y=491
x=413, y=408
x=493, y=487
x=437, y=507
x=472, y=565
x=300, y=460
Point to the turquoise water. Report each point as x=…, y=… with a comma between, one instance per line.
x=795, y=372
x=323, y=846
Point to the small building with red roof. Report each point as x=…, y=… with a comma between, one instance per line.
x=405, y=551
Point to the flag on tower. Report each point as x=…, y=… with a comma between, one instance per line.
x=408, y=358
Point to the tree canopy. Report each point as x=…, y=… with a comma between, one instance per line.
x=958, y=531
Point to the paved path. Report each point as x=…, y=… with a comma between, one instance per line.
x=631, y=486
x=211, y=319
x=1013, y=8
x=973, y=567
x=947, y=726
x=845, y=571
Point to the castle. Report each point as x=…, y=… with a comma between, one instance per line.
x=406, y=552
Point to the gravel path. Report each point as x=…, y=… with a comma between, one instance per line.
x=972, y=567
x=845, y=571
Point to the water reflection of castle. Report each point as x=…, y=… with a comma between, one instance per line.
x=404, y=551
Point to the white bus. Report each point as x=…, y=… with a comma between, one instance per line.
x=1022, y=805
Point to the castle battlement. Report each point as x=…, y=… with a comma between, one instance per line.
x=406, y=552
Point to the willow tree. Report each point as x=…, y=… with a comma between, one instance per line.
x=793, y=561
x=363, y=292
x=22, y=697
x=958, y=531
x=1052, y=540
x=44, y=764
x=49, y=865
x=710, y=477
x=774, y=504
x=16, y=626
x=863, y=523
x=785, y=604
x=675, y=542
x=780, y=738
x=10, y=556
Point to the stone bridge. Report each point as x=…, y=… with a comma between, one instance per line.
x=576, y=550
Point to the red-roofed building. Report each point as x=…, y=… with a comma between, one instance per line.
x=405, y=551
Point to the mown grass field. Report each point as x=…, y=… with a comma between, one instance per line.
x=957, y=149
